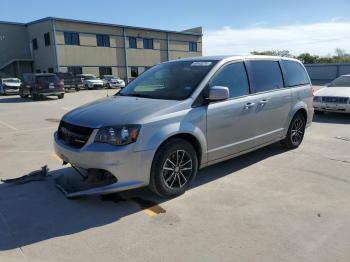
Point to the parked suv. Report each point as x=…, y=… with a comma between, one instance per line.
x=41, y=85
x=70, y=81
x=9, y=85
x=90, y=81
x=110, y=81
x=183, y=115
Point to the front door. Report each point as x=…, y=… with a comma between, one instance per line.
x=230, y=125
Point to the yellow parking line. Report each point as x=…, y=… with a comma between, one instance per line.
x=8, y=125
x=56, y=157
x=149, y=212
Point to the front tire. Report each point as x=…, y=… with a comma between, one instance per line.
x=174, y=168
x=295, y=133
x=60, y=96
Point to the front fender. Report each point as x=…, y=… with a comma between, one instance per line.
x=192, y=122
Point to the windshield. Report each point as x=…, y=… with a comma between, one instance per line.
x=90, y=77
x=110, y=77
x=343, y=81
x=171, y=81
x=11, y=81
x=47, y=79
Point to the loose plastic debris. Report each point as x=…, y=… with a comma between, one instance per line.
x=38, y=175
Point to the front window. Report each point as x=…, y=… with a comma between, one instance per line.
x=90, y=77
x=11, y=81
x=172, y=81
x=343, y=81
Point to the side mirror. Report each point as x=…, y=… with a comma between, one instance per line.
x=218, y=93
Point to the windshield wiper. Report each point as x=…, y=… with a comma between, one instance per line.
x=136, y=95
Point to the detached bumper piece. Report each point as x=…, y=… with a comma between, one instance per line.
x=86, y=182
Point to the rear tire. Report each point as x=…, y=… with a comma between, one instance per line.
x=174, y=168
x=60, y=96
x=295, y=133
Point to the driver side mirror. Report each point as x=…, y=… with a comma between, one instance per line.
x=218, y=93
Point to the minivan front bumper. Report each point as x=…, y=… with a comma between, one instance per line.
x=131, y=168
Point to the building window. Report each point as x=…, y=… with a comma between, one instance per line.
x=71, y=38
x=134, y=71
x=132, y=42
x=75, y=70
x=103, y=40
x=47, y=39
x=192, y=46
x=35, y=44
x=148, y=43
x=50, y=70
x=105, y=70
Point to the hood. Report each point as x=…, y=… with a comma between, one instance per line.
x=121, y=110
x=12, y=84
x=334, y=91
x=94, y=80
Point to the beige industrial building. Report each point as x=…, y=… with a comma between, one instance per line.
x=60, y=45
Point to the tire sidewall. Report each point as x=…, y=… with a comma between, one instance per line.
x=296, y=117
x=157, y=181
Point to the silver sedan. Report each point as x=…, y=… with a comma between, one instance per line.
x=335, y=97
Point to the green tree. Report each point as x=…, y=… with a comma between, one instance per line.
x=307, y=58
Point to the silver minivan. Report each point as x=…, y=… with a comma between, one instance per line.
x=180, y=116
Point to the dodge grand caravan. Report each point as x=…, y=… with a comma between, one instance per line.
x=183, y=115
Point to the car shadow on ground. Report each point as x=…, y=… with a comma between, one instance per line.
x=17, y=99
x=332, y=118
x=38, y=211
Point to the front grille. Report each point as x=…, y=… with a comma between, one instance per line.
x=73, y=135
x=334, y=99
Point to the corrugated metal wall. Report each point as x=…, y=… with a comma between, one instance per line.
x=324, y=73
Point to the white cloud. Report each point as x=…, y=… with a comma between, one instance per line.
x=317, y=38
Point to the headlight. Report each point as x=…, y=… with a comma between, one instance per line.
x=118, y=136
x=318, y=99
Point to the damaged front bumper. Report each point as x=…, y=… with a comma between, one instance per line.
x=106, y=168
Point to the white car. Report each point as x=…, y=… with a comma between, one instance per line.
x=9, y=85
x=335, y=97
x=113, y=81
x=91, y=81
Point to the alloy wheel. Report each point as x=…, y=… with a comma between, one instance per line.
x=177, y=169
x=297, y=131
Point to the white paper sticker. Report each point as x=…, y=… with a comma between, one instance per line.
x=201, y=63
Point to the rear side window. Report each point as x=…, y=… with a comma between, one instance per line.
x=264, y=75
x=234, y=77
x=296, y=74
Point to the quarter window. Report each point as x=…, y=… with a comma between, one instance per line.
x=234, y=77
x=47, y=39
x=132, y=42
x=192, y=46
x=71, y=38
x=296, y=74
x=147, y=43
x=103, y=40
x=264, y=75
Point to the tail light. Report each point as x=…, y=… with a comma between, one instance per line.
x=38, y=86
x=313, y=91
x=61, y=83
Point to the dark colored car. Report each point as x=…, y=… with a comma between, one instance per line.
x=41, y=85
x=70, y=81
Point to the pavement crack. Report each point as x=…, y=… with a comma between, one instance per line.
x=339, y=160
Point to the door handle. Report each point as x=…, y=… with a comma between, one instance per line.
x=263, y=102
x=249, y=105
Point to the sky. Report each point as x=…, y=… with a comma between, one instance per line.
x=229, y=27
